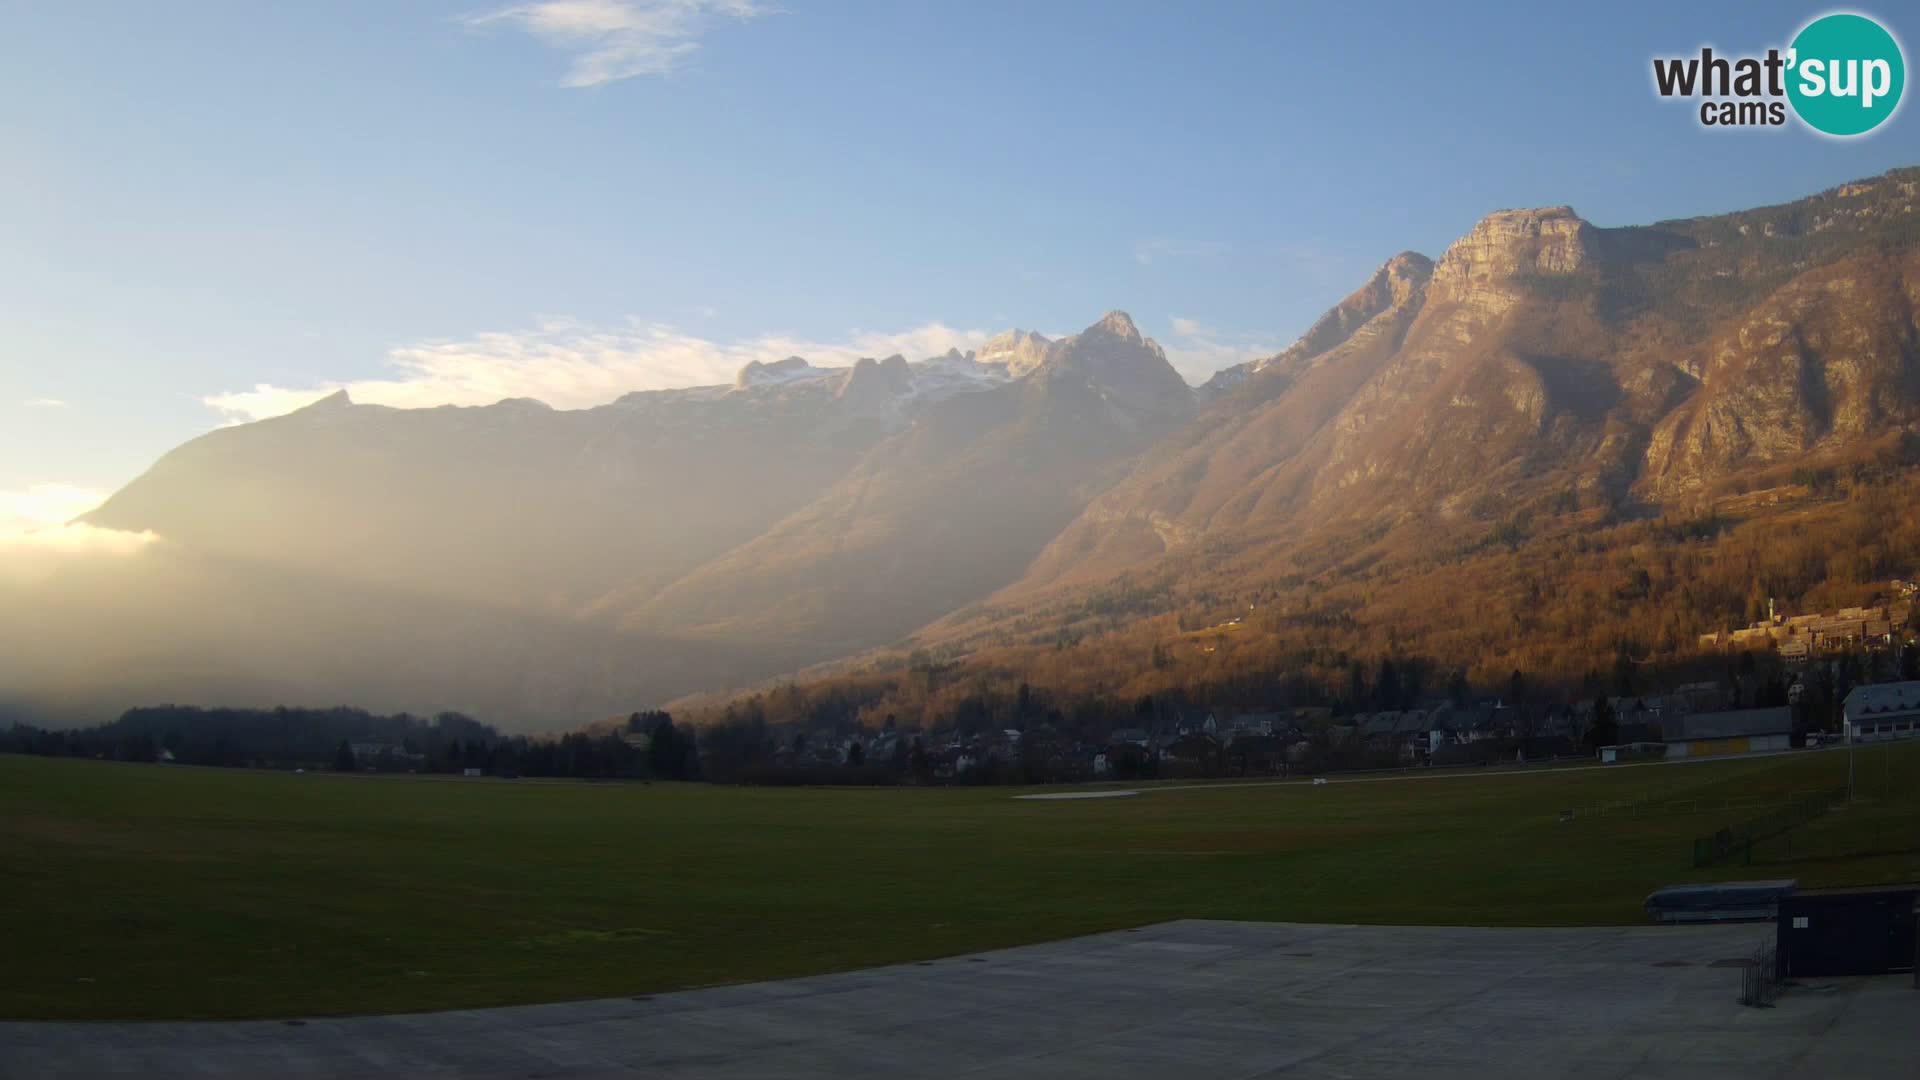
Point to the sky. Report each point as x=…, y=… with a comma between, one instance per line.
x=214, y=212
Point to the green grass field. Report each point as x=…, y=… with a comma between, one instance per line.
x=135, y=891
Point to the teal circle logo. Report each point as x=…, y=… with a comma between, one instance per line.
x=1846, y=73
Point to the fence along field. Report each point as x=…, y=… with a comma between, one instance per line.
x=156, y=891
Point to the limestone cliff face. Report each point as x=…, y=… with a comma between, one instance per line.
x=1826, y=361
x=1540, y=355
x=1457, y=400
x=1482, y=266
x=1494, y=268
x=1549, y=352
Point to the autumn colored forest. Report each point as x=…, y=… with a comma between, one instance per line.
x=1565, y=598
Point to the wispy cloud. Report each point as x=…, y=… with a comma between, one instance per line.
x=1197, y=350
x=1157, y=249
x=72, y=539
x=38, y=534
x=570, y=365
x=44, y=403
x=619, y=39
x=46, y=504
x=30, y=556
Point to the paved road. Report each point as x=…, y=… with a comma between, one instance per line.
x=1191, y=998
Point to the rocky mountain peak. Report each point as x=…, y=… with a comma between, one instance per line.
x=1020, y=350
x=1116, y=324
x=760, y=373
x=1130, y=371
x=870, y=381
x=1395, y=284
x=1484, y=268
x=1404, y=273
x=336, y=400
x=1508, y=243
x=1114, y=341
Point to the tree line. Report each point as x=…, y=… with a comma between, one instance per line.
x=351, y=739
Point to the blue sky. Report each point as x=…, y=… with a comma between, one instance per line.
x=435, y=202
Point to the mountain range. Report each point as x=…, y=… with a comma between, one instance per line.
x=538, y=567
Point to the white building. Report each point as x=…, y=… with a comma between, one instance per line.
x=1884, y=711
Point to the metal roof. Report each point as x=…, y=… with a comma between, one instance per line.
x=1743, y=889
x=1884, y=698
x=1731, y=724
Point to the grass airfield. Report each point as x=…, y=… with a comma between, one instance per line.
x=155, y=892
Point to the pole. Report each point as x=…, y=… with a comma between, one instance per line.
x=1846, y=726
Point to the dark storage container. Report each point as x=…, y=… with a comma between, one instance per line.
x=1725, y=901
x=1861, y=931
